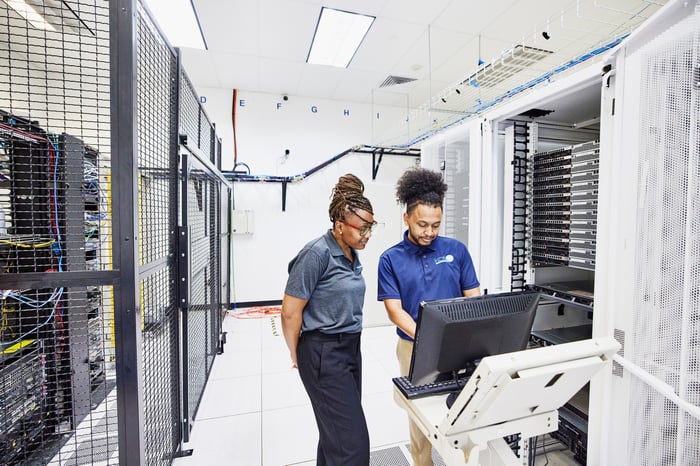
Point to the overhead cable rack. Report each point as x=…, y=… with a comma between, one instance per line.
x=377, y=154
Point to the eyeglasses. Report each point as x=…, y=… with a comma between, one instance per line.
x=364, y=229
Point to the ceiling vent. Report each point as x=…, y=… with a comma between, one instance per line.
x=395, y=80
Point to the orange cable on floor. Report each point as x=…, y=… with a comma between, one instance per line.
x=257, y=312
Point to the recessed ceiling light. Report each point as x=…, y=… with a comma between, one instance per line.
x=179, y=22
x=337, y=37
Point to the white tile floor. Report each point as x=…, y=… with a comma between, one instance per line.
x=255, y=411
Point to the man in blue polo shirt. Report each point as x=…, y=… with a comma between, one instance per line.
x=422, y=267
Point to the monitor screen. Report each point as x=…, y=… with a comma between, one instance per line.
x=453, y=334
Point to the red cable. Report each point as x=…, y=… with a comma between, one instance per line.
x=257, y=312
x=233, y=122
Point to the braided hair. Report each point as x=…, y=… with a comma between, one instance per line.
x=420, y=186
x=348, y=195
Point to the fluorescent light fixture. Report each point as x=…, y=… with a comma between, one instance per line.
x=337, y=37
x=178, y=21
x=30, y=14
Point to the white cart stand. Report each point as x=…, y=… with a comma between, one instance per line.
x=507, y=394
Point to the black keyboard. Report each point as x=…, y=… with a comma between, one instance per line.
x=411, y=391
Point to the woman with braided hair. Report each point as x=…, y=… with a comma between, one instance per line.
x=422, y=267
x=322, y=321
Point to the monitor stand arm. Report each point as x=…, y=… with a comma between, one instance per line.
x=477, y=447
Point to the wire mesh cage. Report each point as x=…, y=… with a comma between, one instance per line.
x=63, y=277
x=204, y=192
x=157, y=172
x=56, y=334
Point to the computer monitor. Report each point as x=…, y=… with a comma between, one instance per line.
x=452, y=335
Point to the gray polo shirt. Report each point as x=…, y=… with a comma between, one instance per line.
x=333, y=286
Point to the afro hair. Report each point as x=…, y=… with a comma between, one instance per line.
x=420, y=186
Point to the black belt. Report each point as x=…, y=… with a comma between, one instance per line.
x=319, y=335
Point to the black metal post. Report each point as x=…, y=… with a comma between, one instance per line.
x=184, y=281
x=124, y=162
x=284, y=195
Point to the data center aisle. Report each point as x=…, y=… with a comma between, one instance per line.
x=255, y=411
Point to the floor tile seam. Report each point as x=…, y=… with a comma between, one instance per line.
x=236, y=376
x=384, y=446
x=239, y=347
x=224, y=416
x=231, y=377
x=282, y=408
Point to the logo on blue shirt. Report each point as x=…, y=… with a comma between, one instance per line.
x=448, y=258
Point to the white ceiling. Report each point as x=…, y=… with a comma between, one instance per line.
x=261, y=45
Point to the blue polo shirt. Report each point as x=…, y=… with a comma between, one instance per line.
x=333, y=286
x=415, y=273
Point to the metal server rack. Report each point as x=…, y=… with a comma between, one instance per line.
x=564, y=194
x=565, y=200
x=51, y=349
x=23, y=364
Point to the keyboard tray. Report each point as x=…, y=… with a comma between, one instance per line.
x=410, y=391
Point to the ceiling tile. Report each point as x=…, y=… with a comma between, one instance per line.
x=279, y=76
x=237, y=71
x=198, y=65
x=230, y=26
x=287, y=28
x=261, y=45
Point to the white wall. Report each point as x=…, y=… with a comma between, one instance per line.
x=313, y=131
x=260, y=260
